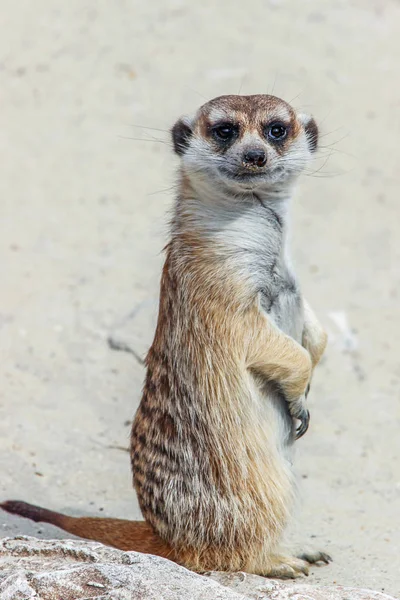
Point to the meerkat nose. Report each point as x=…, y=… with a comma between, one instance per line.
x=255, y=158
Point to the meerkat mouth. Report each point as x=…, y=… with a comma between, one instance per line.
x=242, y=173
x=250, y=176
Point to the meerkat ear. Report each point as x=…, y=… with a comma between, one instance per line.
x=311, y=129
x=181, y=134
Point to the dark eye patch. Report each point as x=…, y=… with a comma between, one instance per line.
x=225, y=132
x=276, y=131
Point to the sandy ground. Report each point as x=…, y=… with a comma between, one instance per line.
x=83, y=224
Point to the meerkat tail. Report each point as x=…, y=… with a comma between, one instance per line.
x=125, y=535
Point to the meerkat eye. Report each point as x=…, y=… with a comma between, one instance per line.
x=276, y=131
x=225, y=132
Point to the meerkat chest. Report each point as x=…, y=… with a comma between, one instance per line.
x=281, y=299
x=253, y=243
x=261, y=258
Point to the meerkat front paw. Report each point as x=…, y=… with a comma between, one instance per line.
x=299, y=411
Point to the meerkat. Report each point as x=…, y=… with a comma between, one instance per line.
x=235, y=346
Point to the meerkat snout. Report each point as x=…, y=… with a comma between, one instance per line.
x=255, y=158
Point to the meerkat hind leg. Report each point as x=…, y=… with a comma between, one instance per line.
x=285, y=567
x=291, y=567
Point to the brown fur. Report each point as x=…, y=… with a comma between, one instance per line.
x=209, y=469
x=125, y=535
x=249, y=119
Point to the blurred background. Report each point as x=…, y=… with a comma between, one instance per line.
x=88, y=93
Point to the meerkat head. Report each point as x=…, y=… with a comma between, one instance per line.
x=245, y=142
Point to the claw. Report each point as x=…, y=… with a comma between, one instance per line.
x=324, y=557
x=304, y=419
x=315, y=557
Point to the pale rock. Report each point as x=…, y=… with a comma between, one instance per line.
x=73, y=570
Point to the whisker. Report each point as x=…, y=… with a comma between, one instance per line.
x=152, y=128
x=325, y=117
x=337, y=141
x=196, y=92
x=170, y=189
x=274, y=83
x=326, y=175
x=337, y=150
x=124, y=137
x=323, y=164
x=333, y=131
x=241, y=85
x=295, y=98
